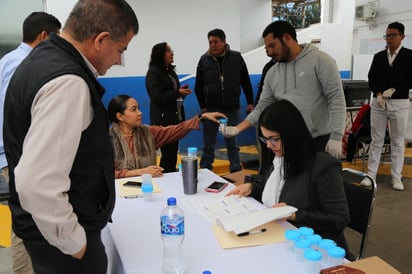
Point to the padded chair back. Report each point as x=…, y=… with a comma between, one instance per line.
x=360, y=201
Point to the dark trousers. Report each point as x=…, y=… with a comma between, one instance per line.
x=169, y=157
x=321, y=142
x=210, y=131
x=47, y=259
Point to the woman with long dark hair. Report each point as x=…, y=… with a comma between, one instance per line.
x=166, y=98
x=135, y=144
x=299, y=175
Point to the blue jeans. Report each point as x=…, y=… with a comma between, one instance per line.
x=210, y=130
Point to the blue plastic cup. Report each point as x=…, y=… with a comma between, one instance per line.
x=301, y=245
x=312, y=259
x=291, y=236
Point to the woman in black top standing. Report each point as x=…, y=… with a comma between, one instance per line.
x=166, y=98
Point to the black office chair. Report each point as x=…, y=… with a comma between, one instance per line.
x=360, y=140
x=360, y=201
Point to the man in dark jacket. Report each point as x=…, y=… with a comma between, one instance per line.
x=57, y=143
x=390, y=81
x=221, y=73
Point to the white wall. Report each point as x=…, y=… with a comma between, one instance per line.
x=184, y=24
x=367, y=37
x=254, y=17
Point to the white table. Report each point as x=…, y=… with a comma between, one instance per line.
x=133, y=241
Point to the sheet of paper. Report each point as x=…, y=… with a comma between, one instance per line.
x=274, y=234
x=241, y=214
x=245, y=222
x=227, y=206
x=125, y=191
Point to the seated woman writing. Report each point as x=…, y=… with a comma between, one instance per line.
x=299, y=176
x=135, y=144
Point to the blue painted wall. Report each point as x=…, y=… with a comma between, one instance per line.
x=135, y=87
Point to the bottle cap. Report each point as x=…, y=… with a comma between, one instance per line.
x=314, y=238
x=192, y=151
x=312, y=255
x=336, y=252
x=206, y=272
x=302, y=243
x=326, y=243
x=171, y=201
x=292, y=234
x=223, y=121
x=306, y=231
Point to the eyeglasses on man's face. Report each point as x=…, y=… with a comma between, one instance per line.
x=272, y=140
x=391, y=35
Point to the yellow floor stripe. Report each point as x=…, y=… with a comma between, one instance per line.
x=221, y=167
x=5, y=226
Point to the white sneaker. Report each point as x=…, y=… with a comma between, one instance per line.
x=397, y=184
x=366, y=182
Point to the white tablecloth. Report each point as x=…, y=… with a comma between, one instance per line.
x=133, y=243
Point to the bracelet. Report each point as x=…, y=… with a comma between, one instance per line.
x=200, y=117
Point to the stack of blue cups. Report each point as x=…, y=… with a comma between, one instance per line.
x=315, y=252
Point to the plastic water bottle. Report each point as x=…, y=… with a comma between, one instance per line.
x=222, y=124
x=147, y=187
x=192, y=152
x=172, y=226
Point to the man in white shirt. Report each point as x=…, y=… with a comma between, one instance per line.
x=36, y=28
x=390, y=80
x=60, y=157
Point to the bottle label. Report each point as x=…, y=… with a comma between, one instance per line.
x=172, y=226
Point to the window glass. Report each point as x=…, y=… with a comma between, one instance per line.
x=12, y=14
x=300, y=13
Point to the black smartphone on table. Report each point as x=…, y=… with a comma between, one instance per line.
x=133, y=184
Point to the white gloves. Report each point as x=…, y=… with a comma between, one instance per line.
x=229, y=131
x=381, y=101
x=388, y=93
x=334, y=148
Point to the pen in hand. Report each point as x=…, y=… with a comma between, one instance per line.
x=251, y=232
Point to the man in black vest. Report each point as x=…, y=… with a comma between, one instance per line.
x=220, y=75
x=60, y=157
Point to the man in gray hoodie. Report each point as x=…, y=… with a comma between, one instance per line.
x=308, y=78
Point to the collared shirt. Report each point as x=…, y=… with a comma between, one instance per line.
x=391, y=57
x=8, y=65
x=50, y=146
